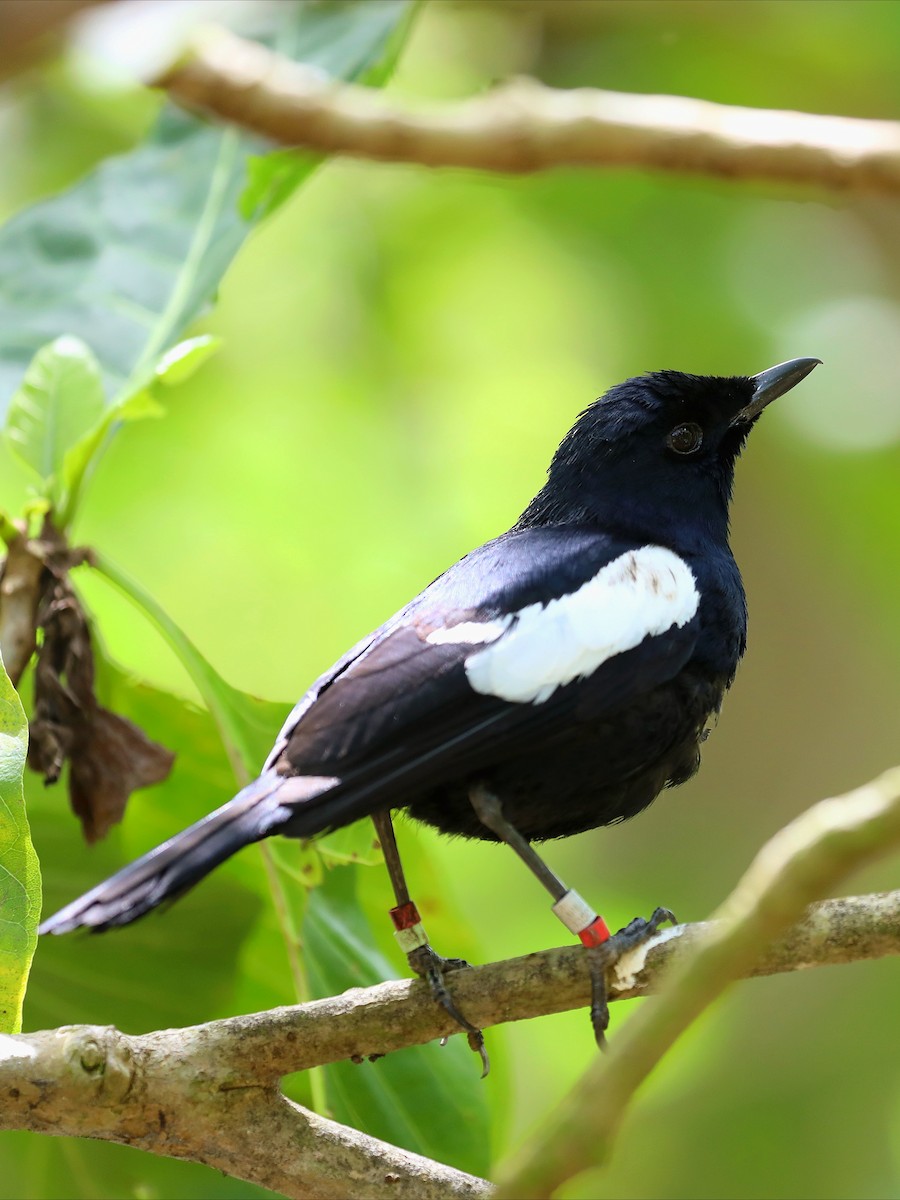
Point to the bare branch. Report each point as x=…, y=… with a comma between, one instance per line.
x=524, y=126
x=802, y=861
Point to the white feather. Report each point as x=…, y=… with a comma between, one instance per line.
x=640, y=594
x=471, y=633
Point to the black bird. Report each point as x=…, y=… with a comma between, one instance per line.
x=554, y=680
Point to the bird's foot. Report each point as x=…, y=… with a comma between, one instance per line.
x=430, y=966
x=604, y=956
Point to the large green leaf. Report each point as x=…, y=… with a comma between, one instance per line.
x=428, y=1099
x=125, y=258
x=359, y=41
x=20, y=876
x=128, y=256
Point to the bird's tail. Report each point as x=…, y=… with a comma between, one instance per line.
x=176, y=865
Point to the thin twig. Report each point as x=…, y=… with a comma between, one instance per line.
x=524, y=126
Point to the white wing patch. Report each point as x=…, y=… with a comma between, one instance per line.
x=639, y=594
x=471, y=633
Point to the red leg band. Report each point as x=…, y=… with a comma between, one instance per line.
x=406, y=915
x=595, y=934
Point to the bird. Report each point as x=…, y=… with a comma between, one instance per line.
x=554, y=680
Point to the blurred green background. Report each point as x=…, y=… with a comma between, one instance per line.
x=403, y=349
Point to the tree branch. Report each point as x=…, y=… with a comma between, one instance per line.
x=210, y=1093
x=524, y=126
x=89, y=1081
x=803, y=860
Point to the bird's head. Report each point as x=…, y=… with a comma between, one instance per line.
x=659, y=450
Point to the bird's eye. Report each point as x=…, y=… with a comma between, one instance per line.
x=685, y=439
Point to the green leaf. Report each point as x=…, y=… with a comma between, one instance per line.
x=428, y=1099
x=138, y=406
x=59, y=400
x=180, y=363
x=8, y=531
x=359, y=42
x=129, y=256
x=20, y=876
x=273, y=178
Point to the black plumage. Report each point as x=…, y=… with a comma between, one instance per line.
x=569, y=667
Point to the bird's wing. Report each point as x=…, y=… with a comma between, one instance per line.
x=535, y=629
x=312, y=693
x=529, y=633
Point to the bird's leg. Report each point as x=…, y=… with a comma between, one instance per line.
x=604, y=949
x=410, y=933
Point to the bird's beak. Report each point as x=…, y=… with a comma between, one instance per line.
x=771, y=384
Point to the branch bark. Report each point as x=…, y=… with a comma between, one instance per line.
x=89, y=1081
x=524, y=126
x=210, y=1093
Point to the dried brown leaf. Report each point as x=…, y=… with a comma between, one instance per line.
x=116, y=759
x=109, y=757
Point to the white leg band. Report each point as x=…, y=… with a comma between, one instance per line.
x=412, y=938
x=576, y=914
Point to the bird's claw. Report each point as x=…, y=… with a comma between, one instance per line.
x=606, y=955
x=431, y=967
